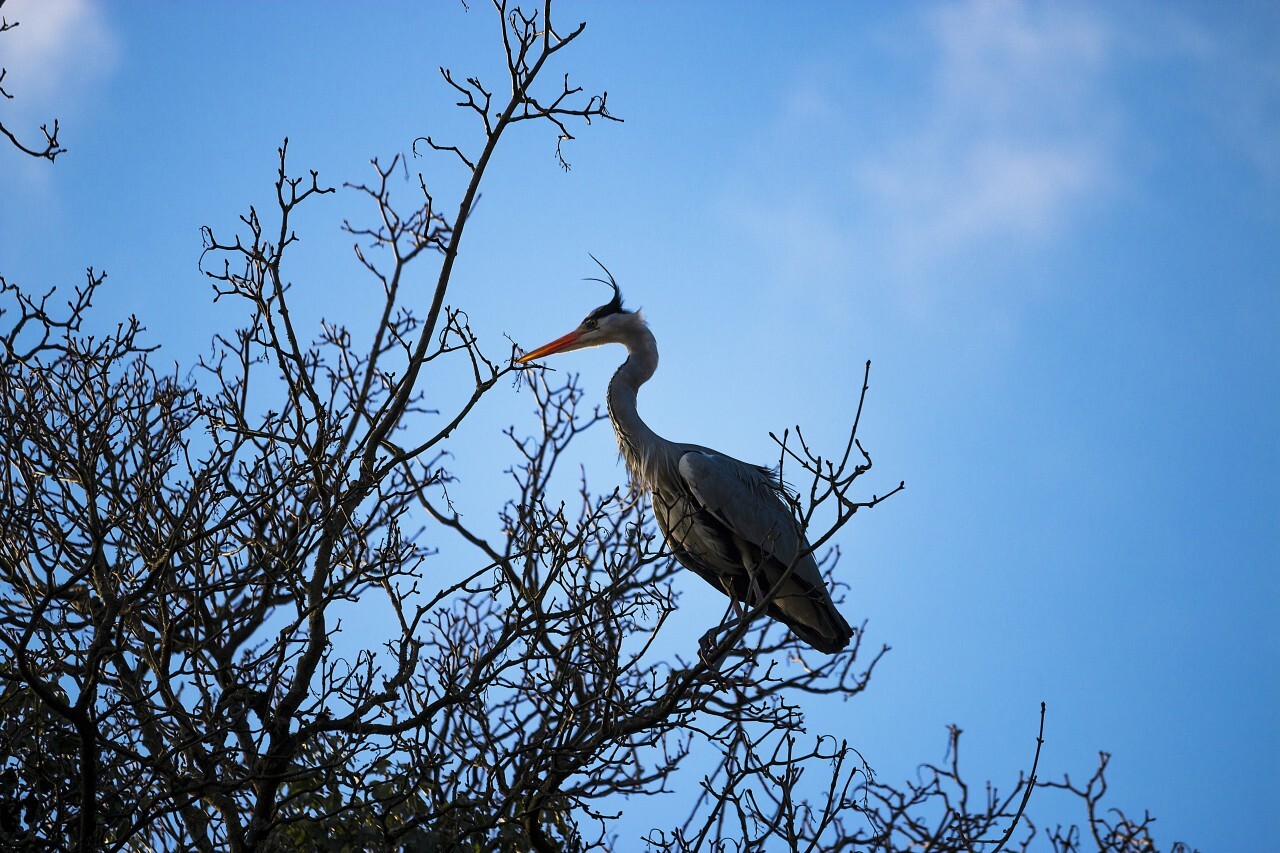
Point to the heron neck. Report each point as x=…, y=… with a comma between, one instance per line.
x=642, y=360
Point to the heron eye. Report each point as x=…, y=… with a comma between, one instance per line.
x=591, y=324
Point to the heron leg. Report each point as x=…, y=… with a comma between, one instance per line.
x=707, y=644
x=738, y=608
x=755, y=587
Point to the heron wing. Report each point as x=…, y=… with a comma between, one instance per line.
x=743, y=499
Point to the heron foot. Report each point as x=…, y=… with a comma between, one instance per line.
x=712, y=656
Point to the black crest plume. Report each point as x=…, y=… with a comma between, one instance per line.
x=614, y=306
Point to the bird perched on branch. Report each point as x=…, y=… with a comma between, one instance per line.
x=724, y=519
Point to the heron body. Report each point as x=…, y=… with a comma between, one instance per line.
x=724, y=519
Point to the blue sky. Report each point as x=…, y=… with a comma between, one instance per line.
x=1053, y=228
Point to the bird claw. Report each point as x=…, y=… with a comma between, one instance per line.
x=708, y=652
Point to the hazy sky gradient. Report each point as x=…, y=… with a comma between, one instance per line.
x=1053, y=228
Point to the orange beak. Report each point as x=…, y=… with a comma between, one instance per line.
x=550, y=349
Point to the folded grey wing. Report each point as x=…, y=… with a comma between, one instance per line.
x=746, y=503
x=742, y=498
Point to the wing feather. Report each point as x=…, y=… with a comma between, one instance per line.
x=743, y=499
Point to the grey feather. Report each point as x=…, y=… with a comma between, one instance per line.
x=748, y=506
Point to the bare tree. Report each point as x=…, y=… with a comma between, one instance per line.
x=177, y=552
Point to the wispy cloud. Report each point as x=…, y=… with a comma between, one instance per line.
x=57, y=48
x=1013, y=135
x=51, y=59
x=1007, y=140
x=1236, y=86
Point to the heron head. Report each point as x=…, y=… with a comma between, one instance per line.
x=610, y=323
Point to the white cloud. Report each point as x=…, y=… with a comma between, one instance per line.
x=957, y=132
x=57, y=48
x=1014, y=134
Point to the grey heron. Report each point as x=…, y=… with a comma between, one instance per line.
x=724, y=519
